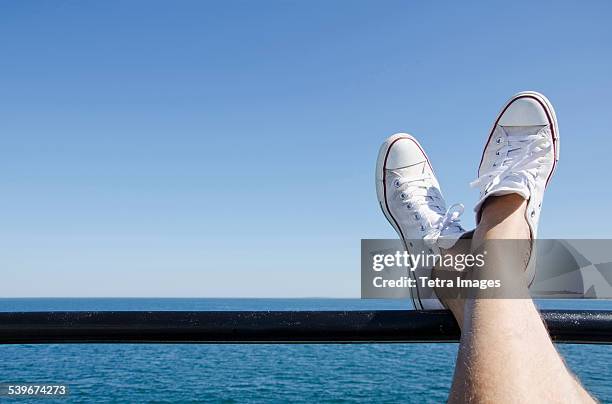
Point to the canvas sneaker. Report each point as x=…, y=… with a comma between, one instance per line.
x=520, y=157
x=411, y=199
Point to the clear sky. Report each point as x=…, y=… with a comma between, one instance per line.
x=227, y=148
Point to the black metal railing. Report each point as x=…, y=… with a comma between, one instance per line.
x=271, y=326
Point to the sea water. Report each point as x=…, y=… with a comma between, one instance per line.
x=235, y=373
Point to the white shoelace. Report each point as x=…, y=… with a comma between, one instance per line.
x=448, y=222
x=415, y=192
x=409, y=190
x=534, y=151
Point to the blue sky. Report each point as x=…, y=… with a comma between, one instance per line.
x=227, y=148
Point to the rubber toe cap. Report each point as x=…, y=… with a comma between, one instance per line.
x=524, y=112
x=404, y=152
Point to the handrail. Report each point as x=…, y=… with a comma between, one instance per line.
x=582, y=326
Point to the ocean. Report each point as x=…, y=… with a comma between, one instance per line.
x=237, y=373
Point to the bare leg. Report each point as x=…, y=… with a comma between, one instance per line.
x=506, y=354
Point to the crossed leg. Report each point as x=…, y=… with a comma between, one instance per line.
x=505, y=353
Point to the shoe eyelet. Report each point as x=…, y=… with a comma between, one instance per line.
x=498, y=141
x=422, y=228
x=396, y=183
x=497, y=153
x=416, y=216
x=409, y=206
x=494, y=164
x=533, y=213
x=403, y=195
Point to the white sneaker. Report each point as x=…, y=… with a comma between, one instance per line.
x=410, y=197
x=520, y=157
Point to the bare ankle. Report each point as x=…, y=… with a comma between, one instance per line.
x=502, y=217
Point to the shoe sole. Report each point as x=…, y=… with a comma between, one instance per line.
x=552, y=119
x=381, y=192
